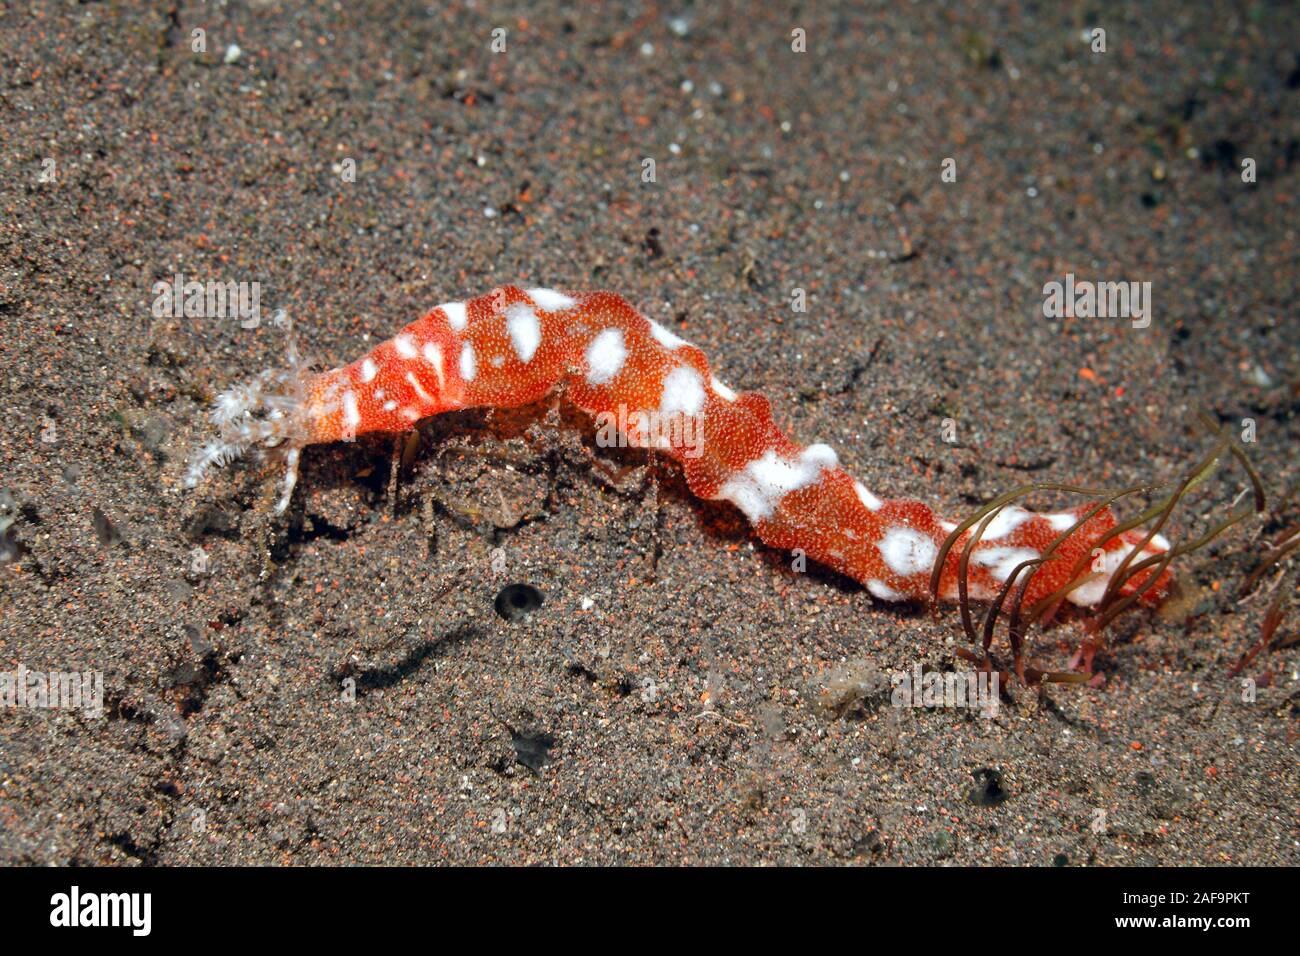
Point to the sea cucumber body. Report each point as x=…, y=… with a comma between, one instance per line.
x=513, y=346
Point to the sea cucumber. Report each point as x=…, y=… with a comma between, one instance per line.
x=513, y=346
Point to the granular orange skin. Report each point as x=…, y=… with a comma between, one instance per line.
x=512, y=347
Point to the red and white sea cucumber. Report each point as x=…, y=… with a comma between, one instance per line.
x=513, y=346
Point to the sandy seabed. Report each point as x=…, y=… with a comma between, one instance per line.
x=338, y=685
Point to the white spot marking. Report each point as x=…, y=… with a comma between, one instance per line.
x=664, y=337
x=1086, y=595
x=721, y=389
x=548, y=300
x=1006, y=521
x=683, y=392
x=433, y=355
x=419, y=389
x=1062, y=521
x=880, y=589
x=369, y=370
x=907, y=551
x=405, y=346
x=525, y=331
x=867, y=498
x=765, y=481
x=457, y=317
x=351, y=415
x=1002, y=561
x=389, y=405
x=468, y=367
x=605, y=357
